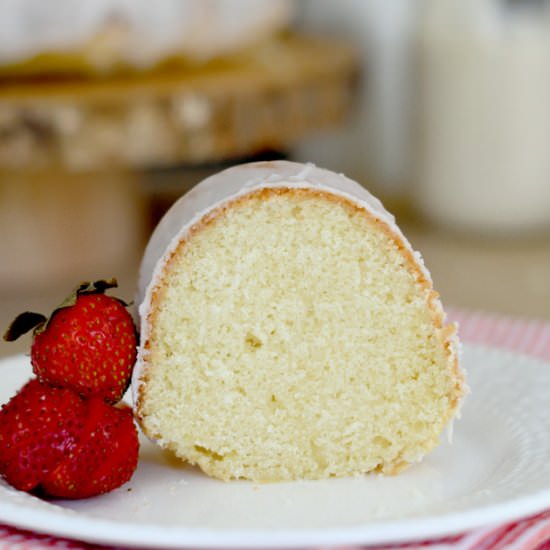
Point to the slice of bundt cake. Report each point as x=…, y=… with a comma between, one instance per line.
x=289, y=331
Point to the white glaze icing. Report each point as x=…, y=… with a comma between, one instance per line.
x=228, y=185
x=139, y=32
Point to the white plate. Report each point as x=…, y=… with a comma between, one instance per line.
x=496, y=469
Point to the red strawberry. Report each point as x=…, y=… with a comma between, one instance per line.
x=105, y=458
x=40, y=427
x=88, y=344
x=67, y=446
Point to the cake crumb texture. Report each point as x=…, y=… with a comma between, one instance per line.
x=292, y=336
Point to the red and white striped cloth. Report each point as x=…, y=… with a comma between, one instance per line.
x=533, y=533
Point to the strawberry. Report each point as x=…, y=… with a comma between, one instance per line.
x=61, y=444
x=105, y=458
x=40, y=427
x=88, y=344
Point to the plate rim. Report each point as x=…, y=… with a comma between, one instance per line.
x=90, y=529
x=101, y=531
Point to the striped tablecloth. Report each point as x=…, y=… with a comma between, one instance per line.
x=532, y=533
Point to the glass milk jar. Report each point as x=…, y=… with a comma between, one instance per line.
x=482, y=135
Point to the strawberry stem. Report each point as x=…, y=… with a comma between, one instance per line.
x=87, y=287
x=23, y=323
x=37, y=322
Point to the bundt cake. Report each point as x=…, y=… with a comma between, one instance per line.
x=289, y=331
x=104, y=35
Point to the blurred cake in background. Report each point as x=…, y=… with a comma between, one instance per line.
x=102, y=36
x=132, y=83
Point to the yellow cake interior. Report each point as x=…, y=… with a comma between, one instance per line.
x=292, y=337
